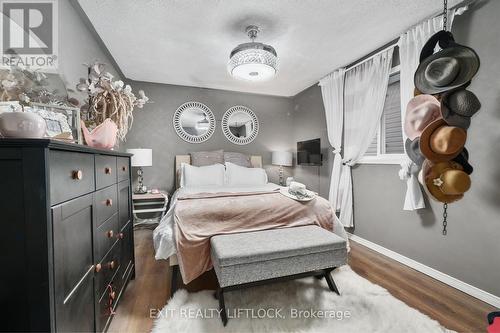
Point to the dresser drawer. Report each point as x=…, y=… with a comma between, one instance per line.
x=124, y=203
x=105, y=308
x=73, y=264
x=76, y=313
x=122, y=168
x=71, y=175
x=105, y=236
x=126, y=243
x=106, y=204
x=105, y=171
x=107, y=269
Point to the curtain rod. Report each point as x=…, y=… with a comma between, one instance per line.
x=392, y=45
x=371, y=56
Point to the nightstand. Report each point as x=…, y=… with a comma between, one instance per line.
x=149, y=208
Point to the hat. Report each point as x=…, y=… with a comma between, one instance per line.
x=420, y=112
x=440, y=142
x=297, y=191
x=412, y=148
x=463, y=160
x=457, y=107
x=444, y=181
x=452, y=67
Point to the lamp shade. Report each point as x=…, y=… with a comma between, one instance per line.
x=141, y=157
x=283, y=158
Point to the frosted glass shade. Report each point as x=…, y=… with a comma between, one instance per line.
x=253, y=62
x=141, y=157
x=283, y=158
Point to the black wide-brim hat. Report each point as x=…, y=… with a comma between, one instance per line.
x=450, y=68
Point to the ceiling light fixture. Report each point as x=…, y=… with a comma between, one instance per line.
x=253, y=61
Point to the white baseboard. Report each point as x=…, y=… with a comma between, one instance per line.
x=440, y=276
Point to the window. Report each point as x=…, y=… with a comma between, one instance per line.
x=387, y=146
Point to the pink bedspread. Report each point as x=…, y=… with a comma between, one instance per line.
x=201, y=216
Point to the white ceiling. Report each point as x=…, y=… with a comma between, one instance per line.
x=187, y=42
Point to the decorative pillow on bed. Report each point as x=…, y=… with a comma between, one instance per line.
x=238, y=159
x=203, y=158
x=237, y=175
x=210, y=175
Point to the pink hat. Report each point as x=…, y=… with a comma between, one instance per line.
x=420, y=112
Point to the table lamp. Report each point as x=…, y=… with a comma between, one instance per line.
x=282, y=158
x=141, y=157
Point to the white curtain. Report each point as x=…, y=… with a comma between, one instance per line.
x=410, y=44
x=364, y=97
x=332, y=90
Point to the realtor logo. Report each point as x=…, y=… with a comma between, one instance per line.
x=29, y=33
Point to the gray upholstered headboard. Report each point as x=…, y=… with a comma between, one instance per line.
x=256, y=161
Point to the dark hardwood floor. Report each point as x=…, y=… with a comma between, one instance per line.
x=452, y=308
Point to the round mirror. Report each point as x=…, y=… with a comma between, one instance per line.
x=240, y=125
x=194, y=122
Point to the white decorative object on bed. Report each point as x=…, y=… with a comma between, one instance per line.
x=239, y=176
x=297, y=191
x=194, y=122
x=240, y=125
x=209, y=175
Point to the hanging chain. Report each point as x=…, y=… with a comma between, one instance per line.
x=445, y=14
x=445, y=26
x=445, y=218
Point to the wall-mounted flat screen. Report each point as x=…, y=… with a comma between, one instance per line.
x=309, y=152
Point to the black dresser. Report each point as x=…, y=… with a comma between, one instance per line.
x=66, y=241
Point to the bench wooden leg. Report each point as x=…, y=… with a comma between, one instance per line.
x=173, y=279
x=331, y=283
x=222, y=306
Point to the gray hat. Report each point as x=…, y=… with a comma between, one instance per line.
x=413, y=151
x=448, y=69
x=457, y=107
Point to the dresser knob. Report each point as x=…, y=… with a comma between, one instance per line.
x=109, y=202
x=124, y=168
x=120, y=235
x=110, y=233
x=107, y=171
x=112, y=265
x=98, y=268
x=77, y=174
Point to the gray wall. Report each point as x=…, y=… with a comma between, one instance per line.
x=471, y=250
x=153, y=128
x=78, y=44
x=309, y=123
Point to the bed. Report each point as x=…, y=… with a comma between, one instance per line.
x=164, y=235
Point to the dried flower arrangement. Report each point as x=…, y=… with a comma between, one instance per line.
x=25, y=86
x=108, y=99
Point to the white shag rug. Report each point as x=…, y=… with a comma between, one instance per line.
x=295, y=306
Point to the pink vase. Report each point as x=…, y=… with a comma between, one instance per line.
x=103, y=136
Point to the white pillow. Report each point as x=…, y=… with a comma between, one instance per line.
x=209, y=175
x=238, y=175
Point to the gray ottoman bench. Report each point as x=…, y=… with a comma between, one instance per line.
x=261, y=257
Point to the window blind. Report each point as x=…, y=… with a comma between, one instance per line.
x=392, y=120
x=390, y=123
